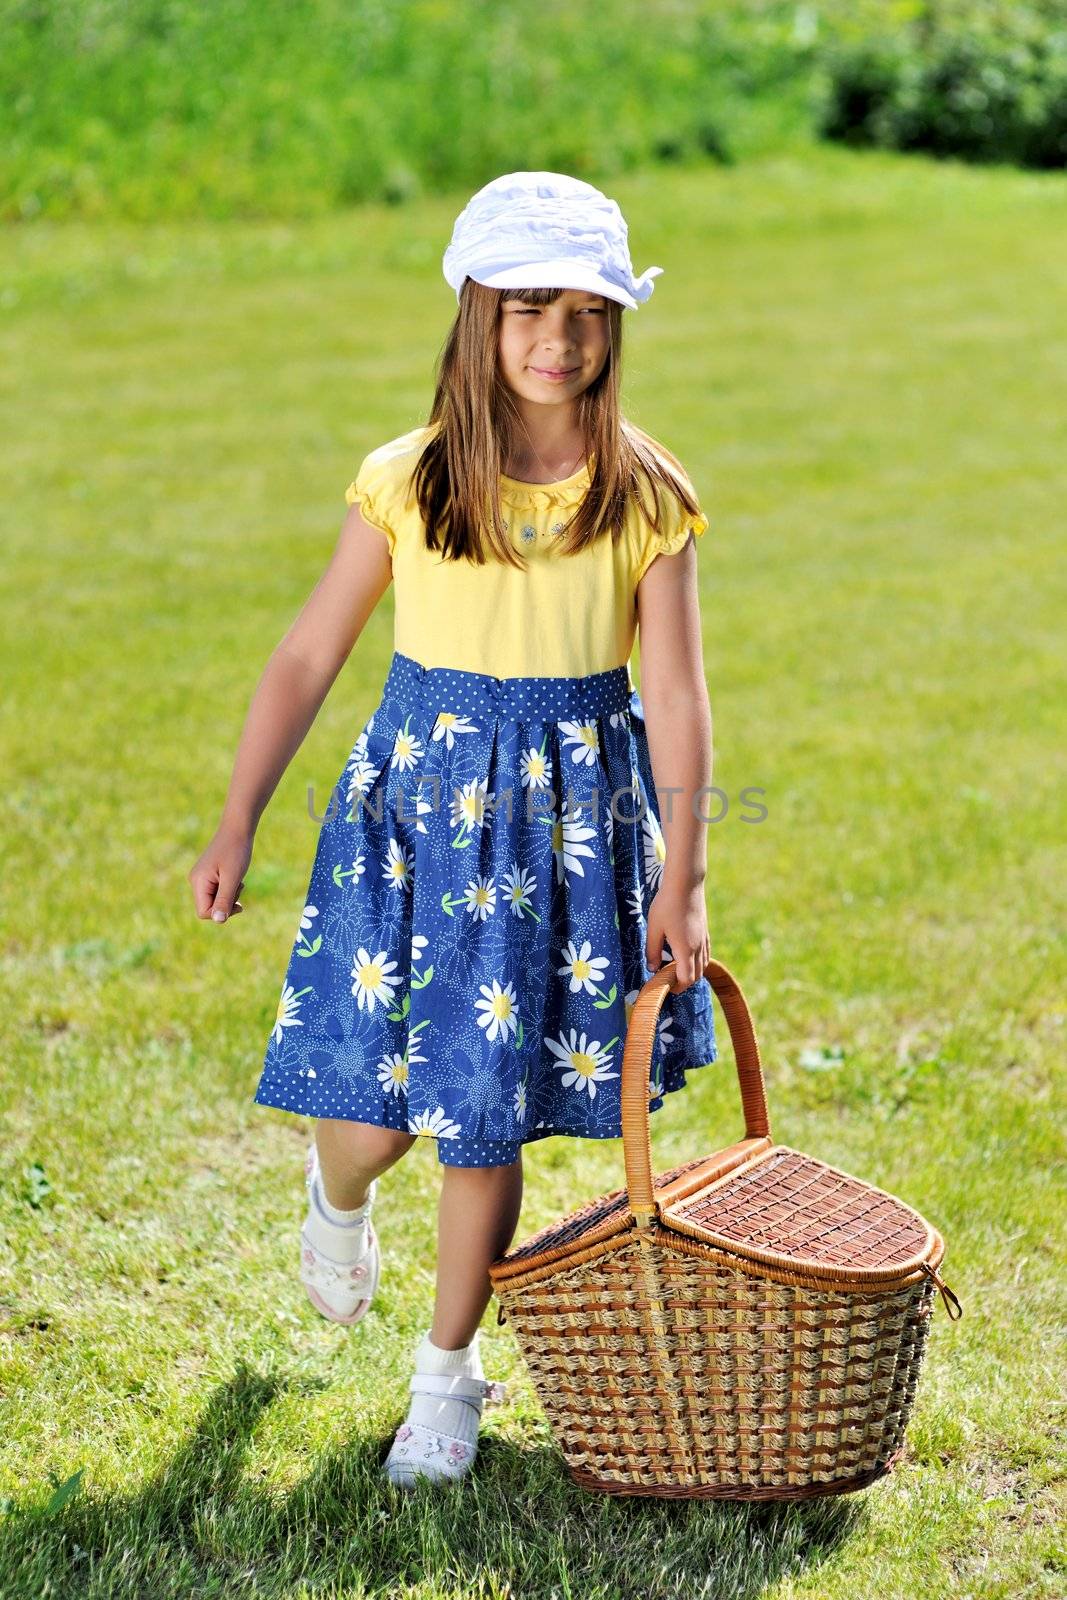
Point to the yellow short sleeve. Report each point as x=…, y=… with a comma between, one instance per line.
x=676, y=524
x=374, y=488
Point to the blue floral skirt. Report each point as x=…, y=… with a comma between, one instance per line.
x=474, y=935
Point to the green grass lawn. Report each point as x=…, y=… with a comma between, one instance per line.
x=860, y=358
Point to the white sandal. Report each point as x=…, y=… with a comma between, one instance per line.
x=418, y=1450
x=351, y=1284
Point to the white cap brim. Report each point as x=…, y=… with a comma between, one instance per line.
x=555, y=275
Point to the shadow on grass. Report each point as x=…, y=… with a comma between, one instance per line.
x=201, y=1527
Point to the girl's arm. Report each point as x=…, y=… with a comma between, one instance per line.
x=678, y=723
x=295, y=682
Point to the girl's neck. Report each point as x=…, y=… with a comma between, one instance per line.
x=545, y=459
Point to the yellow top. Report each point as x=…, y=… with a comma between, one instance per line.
x=564, y=616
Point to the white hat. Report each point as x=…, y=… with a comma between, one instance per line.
x=545, y=230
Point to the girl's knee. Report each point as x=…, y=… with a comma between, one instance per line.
x=367, y=1143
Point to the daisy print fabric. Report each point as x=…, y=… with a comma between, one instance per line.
x=473, y=939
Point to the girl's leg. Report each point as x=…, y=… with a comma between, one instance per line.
x=476, y=1219
x=477, y=1213
x=352, y=1154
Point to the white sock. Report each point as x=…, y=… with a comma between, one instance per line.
x=455, y=1417
x=340, y=1235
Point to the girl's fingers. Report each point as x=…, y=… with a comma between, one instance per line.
x=229, y=889
x=204, y=889
x=216, y=883
x=692, y=963
x=685, y=959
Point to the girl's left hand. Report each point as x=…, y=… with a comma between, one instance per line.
x=680, y=916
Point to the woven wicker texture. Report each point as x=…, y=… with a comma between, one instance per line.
x=588, y=1222
x=757, y=1385
x=795, y=1206
x=749, y=1325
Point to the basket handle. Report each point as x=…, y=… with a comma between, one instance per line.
x=637, y=1060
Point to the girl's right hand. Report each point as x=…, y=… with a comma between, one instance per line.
x=218, y=876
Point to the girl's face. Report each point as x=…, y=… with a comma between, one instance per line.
x=549, y=354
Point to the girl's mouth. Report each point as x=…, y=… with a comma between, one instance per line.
x=556, y=374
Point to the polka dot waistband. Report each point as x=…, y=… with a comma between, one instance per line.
x=450, y=689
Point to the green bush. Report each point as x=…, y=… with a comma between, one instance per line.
x=152, y=108
x=984, y=82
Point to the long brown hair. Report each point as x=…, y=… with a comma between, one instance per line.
x=475, y=420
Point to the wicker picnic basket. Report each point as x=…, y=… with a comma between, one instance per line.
x=749, y=1325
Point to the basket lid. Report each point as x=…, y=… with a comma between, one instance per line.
x=787, y=1208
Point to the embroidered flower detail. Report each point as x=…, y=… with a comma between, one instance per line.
x=433, y=1443
x=404, y=1431
x=557, y=527
x=358, y=1271
x=457, y=1450
x=529, y=532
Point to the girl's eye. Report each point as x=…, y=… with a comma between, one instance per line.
x=534, y=311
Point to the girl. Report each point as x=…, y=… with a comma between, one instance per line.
x=494, y=880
